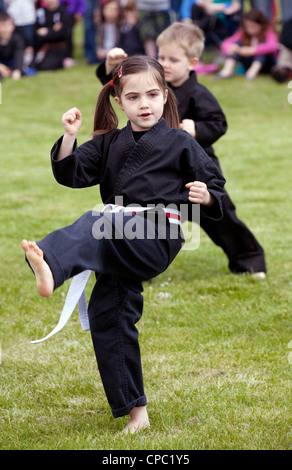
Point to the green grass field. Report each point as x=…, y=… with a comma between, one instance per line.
x=215, y=350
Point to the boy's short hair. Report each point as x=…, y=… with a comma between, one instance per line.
x=188, y=36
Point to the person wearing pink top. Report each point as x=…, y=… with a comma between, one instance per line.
x=254, y=45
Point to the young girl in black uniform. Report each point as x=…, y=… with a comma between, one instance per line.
x=148, y=163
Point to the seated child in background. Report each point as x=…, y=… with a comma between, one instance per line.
x=179, y=49
x=109, y=29
x=12, y=47
x=51, y=36
x=254, y=45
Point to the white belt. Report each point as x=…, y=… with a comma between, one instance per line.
x=173, y=215
x=76, y=292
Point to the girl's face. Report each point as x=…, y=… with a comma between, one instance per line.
x=142, y=100
x=252, y=28
x=111, y=12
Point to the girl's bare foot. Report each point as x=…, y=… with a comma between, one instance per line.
x=138, y=420
x=43, y=274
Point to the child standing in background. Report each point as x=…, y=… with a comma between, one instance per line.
x=254, y=45
x=23, y=15
x=109, y=28
x=149, y=163
x=154, y=17
x=76, y=11
x=129, y=30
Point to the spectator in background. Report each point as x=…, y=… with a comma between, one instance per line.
x=254, y=45
x=129, y=32
x=11, y=48
x=218, y=19
x=154, y=17
x=282, y=71
x=91, y=20
x=109, y=28
x=76, y=10
x=185, y=10
x=269, y=8
x=175, y=10
x=23, y=15
x=51, y=36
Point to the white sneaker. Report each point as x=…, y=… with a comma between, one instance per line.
x=259, y=275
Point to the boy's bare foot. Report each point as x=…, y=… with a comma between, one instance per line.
x=138, y=420
x=43, y=274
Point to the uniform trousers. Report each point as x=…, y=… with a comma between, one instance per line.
x=244, y=252
x=97, y=241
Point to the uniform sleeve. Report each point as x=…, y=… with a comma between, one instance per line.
x=81, y=169
x=198, y=166
x=210, y=120
x=62, y=33
x=269, y=46
x=227, y=43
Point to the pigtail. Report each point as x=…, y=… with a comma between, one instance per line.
x=170, y=112
x=105, y=117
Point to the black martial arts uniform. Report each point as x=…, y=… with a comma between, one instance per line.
x=244, y=252
x=11, y=54
x=196, y=102
x=54, y=44
x=152, y=171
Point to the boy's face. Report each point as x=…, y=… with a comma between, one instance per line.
x=6, y=29
x=176, y=64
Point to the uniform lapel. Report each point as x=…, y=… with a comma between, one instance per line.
x=137, y=153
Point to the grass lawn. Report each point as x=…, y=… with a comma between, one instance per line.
x=215, y=350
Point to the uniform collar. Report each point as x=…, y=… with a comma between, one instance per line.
x=192, y=80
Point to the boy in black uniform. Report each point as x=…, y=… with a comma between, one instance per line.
x=179, y=49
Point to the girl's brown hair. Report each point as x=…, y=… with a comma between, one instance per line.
x=105, y=117
x=258, y=17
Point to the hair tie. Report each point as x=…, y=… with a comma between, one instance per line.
x=120, y=73
x=112, y=83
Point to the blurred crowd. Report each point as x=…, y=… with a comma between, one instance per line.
x=38, y=35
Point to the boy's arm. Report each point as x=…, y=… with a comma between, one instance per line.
x=210, y=121
x=113, y=58
x=204, y=181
